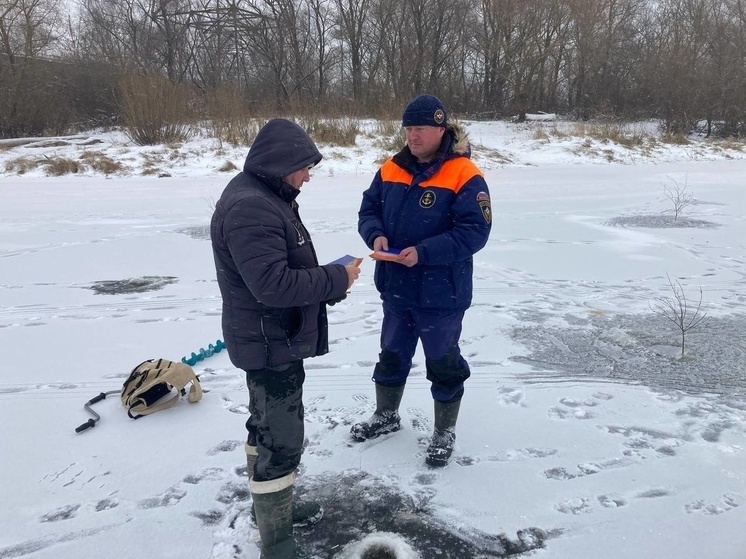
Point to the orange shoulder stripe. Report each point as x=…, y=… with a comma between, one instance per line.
x=454, y=174
x=391, y=172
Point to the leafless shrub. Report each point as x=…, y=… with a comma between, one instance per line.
x=152, y=163
x=58, y=166
x=676, y=138
x=493, y=155
x=334, y=131
x=678, y=196
x=624, y=134
x=389, y=136
x=729, y=143
x=22, y=165
x=388, y=127
x=557, y=132
x=230, y=119
x=239, y=132
x=678, y=310
x=154, y=110
x=54, y=166
x=102, y=163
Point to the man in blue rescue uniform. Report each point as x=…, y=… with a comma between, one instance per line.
x=431, y=203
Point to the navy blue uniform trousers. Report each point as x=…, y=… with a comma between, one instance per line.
x=439, y=332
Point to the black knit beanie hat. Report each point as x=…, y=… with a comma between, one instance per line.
x=425, y=110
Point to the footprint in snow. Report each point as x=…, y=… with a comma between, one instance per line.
x=361, y=398
x=420, y=421
x=581, y=505
x=556, y=412
x=106, y=504
x=576, y=506
x=232, y=407
x=233, y=492
x=510, y=455
x=209, y=474
x=612, y=501
x=210, y=517
x=62, y=513
x=168, y=498
x=510, y=396
x=225, y=446
x=727, y=502
x=588, y=468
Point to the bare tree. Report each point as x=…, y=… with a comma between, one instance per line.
x=678, y=310
x=679, y=197
x=352, y=17
x=682, y=61
x=679, y=62
x=29, y=31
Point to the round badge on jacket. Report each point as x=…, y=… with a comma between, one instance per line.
x=427, y=199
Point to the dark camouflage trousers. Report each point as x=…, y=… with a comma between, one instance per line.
x=275, y=423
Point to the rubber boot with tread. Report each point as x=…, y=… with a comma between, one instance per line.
x=385, y=419
x=444, y=435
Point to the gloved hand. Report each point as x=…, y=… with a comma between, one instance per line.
x=332, y=302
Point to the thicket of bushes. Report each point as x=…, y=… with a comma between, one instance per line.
x=69, y=66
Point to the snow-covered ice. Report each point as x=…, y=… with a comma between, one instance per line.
x=580, y=434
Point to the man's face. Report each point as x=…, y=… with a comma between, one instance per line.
x=424, y=141
x=300, y=176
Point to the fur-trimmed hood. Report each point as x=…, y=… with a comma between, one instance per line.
x=460, y=144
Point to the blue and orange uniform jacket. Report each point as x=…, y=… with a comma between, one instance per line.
x=443, y=210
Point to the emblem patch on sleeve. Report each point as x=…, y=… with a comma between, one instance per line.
x=484, y=204
x=486, y=208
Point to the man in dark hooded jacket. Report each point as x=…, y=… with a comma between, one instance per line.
x=274, y=314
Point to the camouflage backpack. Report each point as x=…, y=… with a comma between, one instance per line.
x=145, y=390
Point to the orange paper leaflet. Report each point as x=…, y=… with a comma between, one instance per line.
x=391, y=255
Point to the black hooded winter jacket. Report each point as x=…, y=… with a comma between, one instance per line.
x=272, y=286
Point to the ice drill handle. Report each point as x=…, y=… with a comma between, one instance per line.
x=97, y=398
x=86, y=425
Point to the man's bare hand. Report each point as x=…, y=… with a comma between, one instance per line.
x=381, y=243
x=353, y=272
x=408, y=257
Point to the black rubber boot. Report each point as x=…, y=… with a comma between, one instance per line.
x=386, y=417
x=305, y=513
x=273, y=505
x=444, y=435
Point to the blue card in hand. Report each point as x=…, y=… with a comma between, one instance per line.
x=346, y=260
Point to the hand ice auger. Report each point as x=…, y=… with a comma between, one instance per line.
x=204, y=353
x=92, y=422
x=191, y=361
